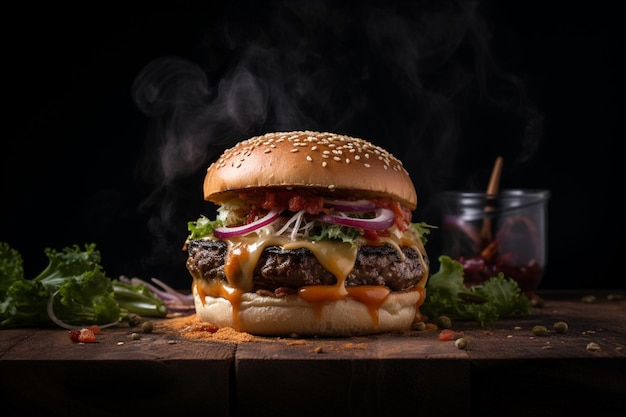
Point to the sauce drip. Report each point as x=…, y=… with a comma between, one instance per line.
x=336, y=257
x=219, y=289
x=372, y=296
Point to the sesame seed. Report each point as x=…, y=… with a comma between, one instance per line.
x=294, y=150
x=336, y=158
x=331, y=187
x=324, y=164
x=267, y=150
x=367, y=165
x=347, y=160
x=308, y=158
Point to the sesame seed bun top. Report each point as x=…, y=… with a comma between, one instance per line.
x=320, y=162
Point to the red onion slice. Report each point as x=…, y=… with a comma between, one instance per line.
x=228, y=232
x=350, y=206
x=384, y=219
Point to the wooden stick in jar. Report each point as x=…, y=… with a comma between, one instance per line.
x=492, y=190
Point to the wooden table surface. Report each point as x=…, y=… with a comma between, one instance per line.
x=505, y=370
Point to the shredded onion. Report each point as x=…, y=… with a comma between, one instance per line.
x=296, y=221
x=384, y=219
x=227, y=232
x=174, y=300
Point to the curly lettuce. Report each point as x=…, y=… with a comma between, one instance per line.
x=73, y=290
x=496, y=298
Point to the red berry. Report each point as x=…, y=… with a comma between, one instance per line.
x=74, y=334
x=86, y=336
x=82, y=336
x=447, y=335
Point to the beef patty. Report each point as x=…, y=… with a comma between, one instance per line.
x=292, y=269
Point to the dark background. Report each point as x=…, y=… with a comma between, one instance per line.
x=90, y=156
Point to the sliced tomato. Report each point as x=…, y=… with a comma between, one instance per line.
x=292, y=200
x=403, y=216
x=252, y=215
x=375, y=235
x=370, y=234
x=312, y=204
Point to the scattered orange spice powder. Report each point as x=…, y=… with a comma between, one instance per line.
x=191, y=327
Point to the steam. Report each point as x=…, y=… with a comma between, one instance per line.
x=191, y=120
x=417, y=78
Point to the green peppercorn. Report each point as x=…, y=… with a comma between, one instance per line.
x=560, y=327
x=419, y=326
x=134, y=320
x=461, y=342
x=537, y=302
x=539, y=330
x=593, y=347
x=443, y=322
x=135, y=336
x=147, y=327
x=588, y=299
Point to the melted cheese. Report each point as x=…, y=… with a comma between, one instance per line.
x=336, y=257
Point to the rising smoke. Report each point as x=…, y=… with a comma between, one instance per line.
x=417, y=77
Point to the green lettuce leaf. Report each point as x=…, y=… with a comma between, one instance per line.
x=496, y=298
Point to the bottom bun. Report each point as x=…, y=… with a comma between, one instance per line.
x=291, y=315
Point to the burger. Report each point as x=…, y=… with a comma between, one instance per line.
x=313, y=236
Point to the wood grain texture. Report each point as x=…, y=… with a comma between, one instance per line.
x=504, y=369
